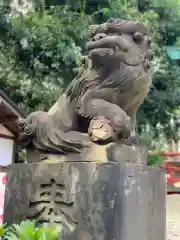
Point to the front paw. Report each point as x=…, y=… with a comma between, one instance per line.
x=122, y=125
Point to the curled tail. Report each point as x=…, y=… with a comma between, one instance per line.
x=40, y=130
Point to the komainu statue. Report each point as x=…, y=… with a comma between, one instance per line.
x=101, y=103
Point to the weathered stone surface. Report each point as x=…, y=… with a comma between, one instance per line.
x=92, y=201
x=111, y=152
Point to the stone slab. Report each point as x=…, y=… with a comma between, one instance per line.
x=111, y=152
x=91, y=201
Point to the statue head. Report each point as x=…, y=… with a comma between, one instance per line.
x=117, y=50
x=117, y=41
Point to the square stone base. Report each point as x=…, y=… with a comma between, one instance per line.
x=91, y=201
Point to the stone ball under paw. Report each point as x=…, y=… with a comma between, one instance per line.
x=100, y=130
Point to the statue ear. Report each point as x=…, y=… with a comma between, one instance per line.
x=138, y=37
x=150, y=55
x=149, y=41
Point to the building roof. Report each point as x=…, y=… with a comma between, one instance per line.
x=9, y=113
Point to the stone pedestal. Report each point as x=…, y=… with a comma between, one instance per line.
x=91, y=201
x=111, y=152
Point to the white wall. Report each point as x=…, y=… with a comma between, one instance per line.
x=6, y=147
x=6, y=151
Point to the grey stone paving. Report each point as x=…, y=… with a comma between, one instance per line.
x=173, y=217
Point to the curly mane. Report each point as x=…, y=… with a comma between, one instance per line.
x=87, y=78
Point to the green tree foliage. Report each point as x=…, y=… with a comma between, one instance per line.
x=161, y=108
x=38, y=54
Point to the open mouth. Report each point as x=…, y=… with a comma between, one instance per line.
x=101, y=52
x=108, y=42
